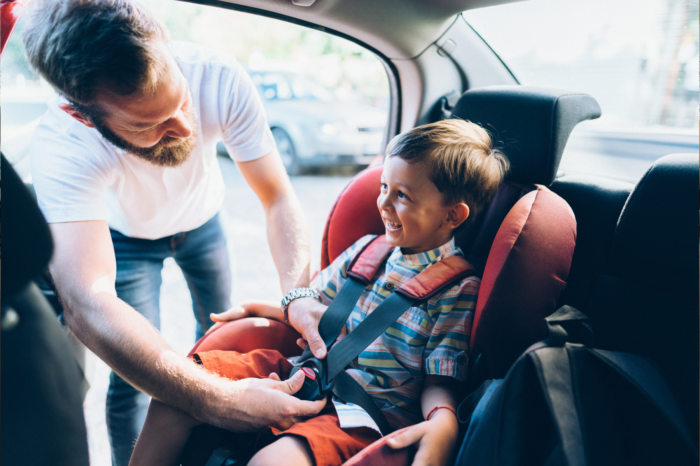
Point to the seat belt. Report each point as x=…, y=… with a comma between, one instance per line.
x=423, y=286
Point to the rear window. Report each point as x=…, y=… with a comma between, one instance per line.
x=638, y=58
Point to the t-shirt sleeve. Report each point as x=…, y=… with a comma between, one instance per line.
x=447, y=350
x=329, y=280
x=68, y=178
x=245, y=130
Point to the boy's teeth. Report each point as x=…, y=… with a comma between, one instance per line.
x=392, y=224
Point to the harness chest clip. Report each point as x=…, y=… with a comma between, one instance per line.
x=315, y=387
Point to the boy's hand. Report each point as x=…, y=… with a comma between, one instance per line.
x=305, y=315
x=435, y=439
x=252, y=308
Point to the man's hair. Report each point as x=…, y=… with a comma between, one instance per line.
x=459, y=158
x=83, y=47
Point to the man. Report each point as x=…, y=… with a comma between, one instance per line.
x=126, y=174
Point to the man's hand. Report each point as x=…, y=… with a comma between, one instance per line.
x=251, y=404
x=305, y=315
x=435, y=439
x=251, y=308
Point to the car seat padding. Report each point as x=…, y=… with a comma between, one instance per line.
x=531, y=124
x=245, y=335
x=354, y=215
x=525, y=273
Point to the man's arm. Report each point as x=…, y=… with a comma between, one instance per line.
x=84, y=271
x=287, y=231
x=288, y=236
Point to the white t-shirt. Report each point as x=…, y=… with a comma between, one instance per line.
x=79, y=176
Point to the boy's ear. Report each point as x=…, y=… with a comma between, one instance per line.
x=457, y=214
x=68, y=108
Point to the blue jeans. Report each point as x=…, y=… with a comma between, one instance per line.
x=203, y=258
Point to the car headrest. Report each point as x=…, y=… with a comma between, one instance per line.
x=524, y=275
x=656, y=239
x=476, y=239
x=531, y=125
x=26, y=237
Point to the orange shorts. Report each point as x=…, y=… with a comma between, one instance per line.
x=329, y=444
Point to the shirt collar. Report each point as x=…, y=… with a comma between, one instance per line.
x=423, y=259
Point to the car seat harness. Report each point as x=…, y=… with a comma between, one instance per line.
x=328, y=375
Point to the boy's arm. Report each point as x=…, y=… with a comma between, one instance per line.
x=436, y=437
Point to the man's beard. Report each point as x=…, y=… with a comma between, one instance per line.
x=168, y=152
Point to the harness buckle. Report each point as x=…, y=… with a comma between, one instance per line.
x=315, y=387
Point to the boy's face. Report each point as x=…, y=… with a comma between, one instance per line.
x=412, y=208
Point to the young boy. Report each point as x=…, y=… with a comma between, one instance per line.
x=434, y=178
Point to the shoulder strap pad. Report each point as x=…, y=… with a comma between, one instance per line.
x=366, y=262
x=437, y=277
x=423, y=286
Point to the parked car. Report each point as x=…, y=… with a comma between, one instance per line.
x=311, y=128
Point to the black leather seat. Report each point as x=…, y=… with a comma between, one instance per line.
x=42, y=414
x=647, y=300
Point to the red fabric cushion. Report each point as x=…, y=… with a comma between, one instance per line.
x=437, y=278
x=526, y=271
x=367, y=261
x=10, y=11
x=245, y=335
x=359, y=216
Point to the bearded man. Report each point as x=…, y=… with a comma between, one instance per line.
x=125, y=169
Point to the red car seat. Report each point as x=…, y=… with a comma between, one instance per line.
x=523, y=241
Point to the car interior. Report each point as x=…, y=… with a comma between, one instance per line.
x=622, y=253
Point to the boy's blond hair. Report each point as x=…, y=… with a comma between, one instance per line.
x=459, y=157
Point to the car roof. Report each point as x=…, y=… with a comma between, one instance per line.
x=391, y=27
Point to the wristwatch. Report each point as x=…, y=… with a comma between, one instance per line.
x=297, y=293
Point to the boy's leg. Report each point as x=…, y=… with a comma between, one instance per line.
x=139, y=264
x=320, y=437
x=203, y=257
x=167, y=429
x=294, y=450
x=163, y=436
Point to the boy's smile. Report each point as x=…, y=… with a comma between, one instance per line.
x=413, y=210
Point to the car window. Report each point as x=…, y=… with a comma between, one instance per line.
x=277, y=86
x=326, y=98
x=326, y=101
x=638, y=58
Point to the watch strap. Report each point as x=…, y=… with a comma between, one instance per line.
x=296, y=293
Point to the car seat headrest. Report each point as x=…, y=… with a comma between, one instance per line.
x=353, y=216
x=656, y=238
x=531, y=125
x=524, y=275
x=26, y=237
x=476, y=239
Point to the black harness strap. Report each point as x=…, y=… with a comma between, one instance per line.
x=374, y=325
x=350, y=391
x=347, y=349
x=337, y=314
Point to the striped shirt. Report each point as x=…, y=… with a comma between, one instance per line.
x=429, y=339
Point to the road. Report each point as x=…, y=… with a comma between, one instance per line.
x=254, y=275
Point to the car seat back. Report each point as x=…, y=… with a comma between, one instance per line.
x=535, y=230
x=532, y=126
x=647, y=301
